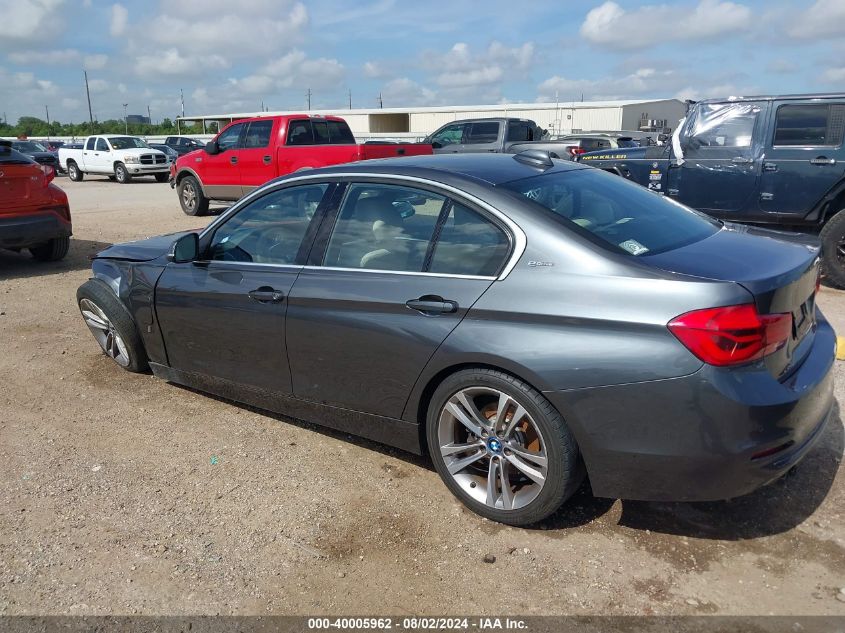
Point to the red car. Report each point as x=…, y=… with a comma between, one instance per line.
x=34, y=213
x=250, y=152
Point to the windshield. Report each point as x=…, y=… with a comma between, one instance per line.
x=127, y=142
x=29, y=146
x=618, y=212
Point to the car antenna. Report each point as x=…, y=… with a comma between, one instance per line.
x=535, y=158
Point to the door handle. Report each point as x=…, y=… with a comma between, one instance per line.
x=770, y=167
x=266, y=294
x=741, y=160
x=267, y=159
x=822, y=160
x=432, y=304
x=234, y=160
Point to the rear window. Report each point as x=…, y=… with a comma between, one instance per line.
x=617, y=212
x=9, y=156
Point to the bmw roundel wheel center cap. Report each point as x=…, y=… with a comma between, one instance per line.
x=494, y=446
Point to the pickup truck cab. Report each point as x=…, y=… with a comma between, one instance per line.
x=774, y=160
x=250, y=152
x=496, y=135
x=119, y=157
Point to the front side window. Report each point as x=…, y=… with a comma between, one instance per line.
x=811, y=125
x=258, y=134
x=723, y=125
x=300, y=132
x=616, y=211
x=270, y=229
x=384, y=227
x=230, y=137
x=102, y=146
x=450, y=135
x=483, y=132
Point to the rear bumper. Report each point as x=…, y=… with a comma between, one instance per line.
x=716, y=434
x=23, y=231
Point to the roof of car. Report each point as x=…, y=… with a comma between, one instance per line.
x=820, y=95
x=491, y=168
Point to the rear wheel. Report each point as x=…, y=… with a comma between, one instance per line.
x=162, y=177
x=501, y=447
x=51, y=251
x=112, y=327
x=191, y=197
x=73, y=171
x=121, y=174
x=833, y=249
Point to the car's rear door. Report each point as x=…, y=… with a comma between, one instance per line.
x=223, y=316
x=803, y=156
x=483, y=136
x=387, y=281
x=255, y=158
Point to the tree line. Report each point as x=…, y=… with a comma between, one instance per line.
x=33, y=126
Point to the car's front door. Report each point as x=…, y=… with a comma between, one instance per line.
x=101, y=158
x=448, y=140
x=220, y=172
x=401, y=266
x=255, y=158
x=223, y=316
x=804, y=157
x=723, y=151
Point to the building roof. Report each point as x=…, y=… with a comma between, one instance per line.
x=509, y=107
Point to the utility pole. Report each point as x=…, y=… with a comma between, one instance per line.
x=380, y=101
x=308, y=96
x=350, y=98
x=182, y=98
x=47, y=110
x=125, y=120
x=88, y=93
x=149, y=116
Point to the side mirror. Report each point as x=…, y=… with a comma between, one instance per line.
x=185, y=249
x=436, y=145
x=212, y=147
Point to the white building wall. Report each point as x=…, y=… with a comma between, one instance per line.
x=672, y=111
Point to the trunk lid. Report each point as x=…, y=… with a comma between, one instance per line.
x=779, y=269
x=18, y=183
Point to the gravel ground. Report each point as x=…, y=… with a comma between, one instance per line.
x=121, y=494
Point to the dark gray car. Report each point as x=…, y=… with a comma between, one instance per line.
x=522, y=320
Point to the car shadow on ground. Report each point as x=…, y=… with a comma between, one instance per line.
x=22, y=265
x=773, y=509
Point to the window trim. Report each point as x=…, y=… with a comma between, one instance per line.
x=786, y=105
x=512, y=230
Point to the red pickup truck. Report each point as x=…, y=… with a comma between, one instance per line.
x=250, y=152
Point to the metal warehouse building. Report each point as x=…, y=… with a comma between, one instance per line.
x=558, y=118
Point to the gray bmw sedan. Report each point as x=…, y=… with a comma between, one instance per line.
x=524, y=321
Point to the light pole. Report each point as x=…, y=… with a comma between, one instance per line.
x=125, y=120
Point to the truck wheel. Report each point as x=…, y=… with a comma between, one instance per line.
x=191, y=197
x=121, y=174
x=162, y=177
x=52, y=251
x=833, y=249
x=73, y=172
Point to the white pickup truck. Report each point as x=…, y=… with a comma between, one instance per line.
x=120, y=158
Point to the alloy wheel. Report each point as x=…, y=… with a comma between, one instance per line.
x=104, y=331
x=189, y=195
x=492, y=448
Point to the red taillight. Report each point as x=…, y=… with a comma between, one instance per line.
x=576, y=151
x=732, y=335
x=49, y=174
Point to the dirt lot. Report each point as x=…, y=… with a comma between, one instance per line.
x=122, y=494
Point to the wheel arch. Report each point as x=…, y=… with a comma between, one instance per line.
x=184, y=172
x=831, y=203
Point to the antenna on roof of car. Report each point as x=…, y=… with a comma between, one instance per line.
x=535, y=158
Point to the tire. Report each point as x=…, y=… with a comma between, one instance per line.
x=112, y=326
x=73, y=172
x=833, y=249
x=542, y=431
x=191, y=197
x=121, y=174
x=162, y=177
x=52, y=251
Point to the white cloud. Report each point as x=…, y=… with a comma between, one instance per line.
x=375, y=70
x=27, y=21
x=834, y=76
x=478, y=77
x=825, y=18
x=611, y=26
x=404, y=92
x=119, y=20
x=45, y=57
x=291, y=70
x=71, y=104
x=519, y=57
x=95, y=62
x=460, y=70
x=98, y=86
x=172, y=63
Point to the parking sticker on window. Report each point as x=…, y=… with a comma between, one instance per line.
x=634, y=247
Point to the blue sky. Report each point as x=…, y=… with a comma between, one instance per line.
x=232, y=56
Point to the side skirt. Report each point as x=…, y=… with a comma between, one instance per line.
x=398, y=433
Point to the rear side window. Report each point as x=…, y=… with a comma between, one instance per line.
x=519, y=131
x=483, y=132
x=810, y=125
x=332, y=132
x=469, y=244
x=258, y=134
x=617, y=212
x=300, y=132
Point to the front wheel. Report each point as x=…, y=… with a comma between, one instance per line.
x=112, y=326
x=501, y=447
x=191, y=197
x=833, y=249
x=121, y=174
x=162, y=177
